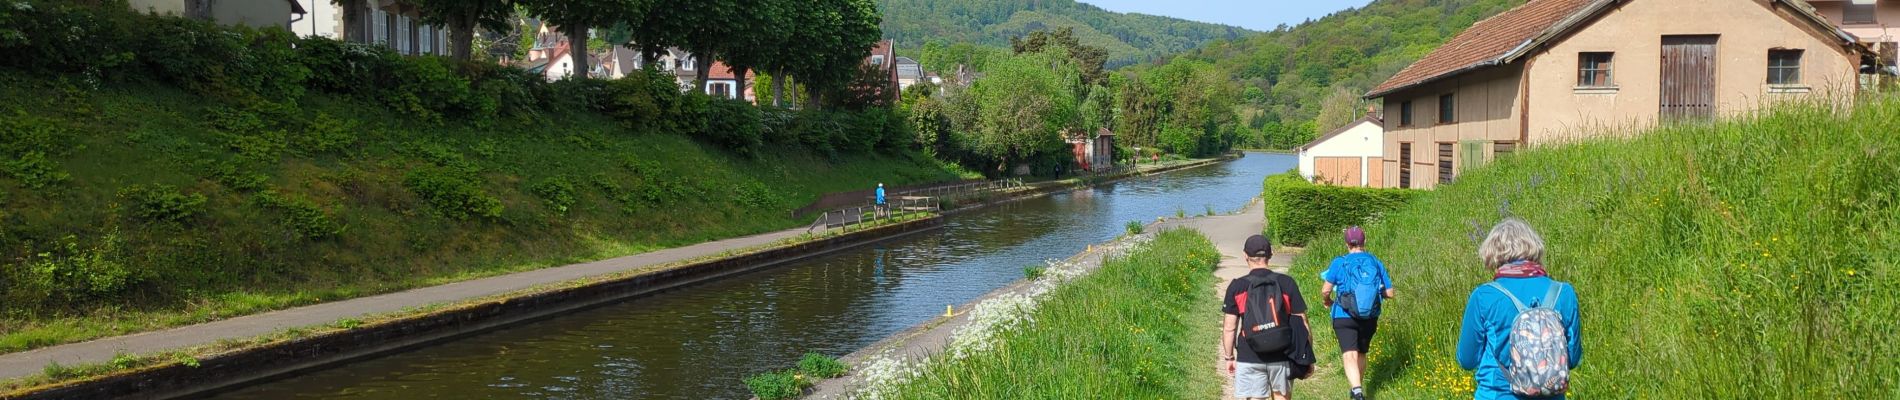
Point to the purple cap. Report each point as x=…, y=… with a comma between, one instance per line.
x=1355, y=236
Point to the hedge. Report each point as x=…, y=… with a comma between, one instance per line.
x=1298, y=211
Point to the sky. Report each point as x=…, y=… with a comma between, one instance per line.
x=1259, y=15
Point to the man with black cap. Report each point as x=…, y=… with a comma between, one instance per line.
x=1259, y=328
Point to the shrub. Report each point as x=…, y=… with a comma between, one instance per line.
x=556, y=192
x=304, y=218
x=755, y=195
x=162, y=203
x=35, y=170
x=1034, y=272
x=775, y=385
x=1135, y=227
x=326, y=134
x=452, y=194
x=735, y=125
x=819, y=365
x=73, y=274
x=1298, y=210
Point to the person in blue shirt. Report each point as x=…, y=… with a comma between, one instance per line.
x=881, y=208
x=1355, y=334
x=1515, y=252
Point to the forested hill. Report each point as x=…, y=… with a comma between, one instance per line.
x=1129, y=38
x=1291, y=75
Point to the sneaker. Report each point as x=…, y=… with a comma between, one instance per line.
x=1358, y=394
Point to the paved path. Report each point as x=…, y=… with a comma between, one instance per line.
x=21, y=364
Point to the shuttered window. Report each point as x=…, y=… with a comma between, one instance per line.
x=1859, y=13
x=379, y=33
x=1405, y=165
x=1593, y=69
x=1445, y=151
x=428, y=39
x=1503, y=148
x=1784, y=67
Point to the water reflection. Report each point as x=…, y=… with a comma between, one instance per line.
x=699, y=342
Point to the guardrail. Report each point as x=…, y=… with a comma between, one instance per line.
x=844, y=218
x=966, y=189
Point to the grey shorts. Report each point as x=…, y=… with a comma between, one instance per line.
x=1262, y=380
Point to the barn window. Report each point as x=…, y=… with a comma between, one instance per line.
x=1405, y=113
x=1405, y=165
x=1593, y=69
x=1784, y=67
x=1447, y=109
x=1445, y=150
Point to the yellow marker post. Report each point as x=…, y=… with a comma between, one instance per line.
x=949, y=311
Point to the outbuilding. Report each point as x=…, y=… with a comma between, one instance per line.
x=1352, y=155
x=1551, y=71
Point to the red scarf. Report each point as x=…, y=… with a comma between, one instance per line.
x=1521, y=269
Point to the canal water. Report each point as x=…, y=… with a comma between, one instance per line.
x=700, y=342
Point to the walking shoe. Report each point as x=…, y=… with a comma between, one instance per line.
x=1358, y=394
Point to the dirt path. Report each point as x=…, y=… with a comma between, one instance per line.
x=1229, y=232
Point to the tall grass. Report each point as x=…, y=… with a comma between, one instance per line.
x=1752, y=258
x=1141, y=327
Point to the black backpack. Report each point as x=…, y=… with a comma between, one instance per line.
x=1269, y=331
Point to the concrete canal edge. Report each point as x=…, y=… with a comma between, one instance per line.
x=275, y=359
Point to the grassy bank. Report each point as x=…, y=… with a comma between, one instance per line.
x=137, y=206
x=1137, y=328
x=1747, y=258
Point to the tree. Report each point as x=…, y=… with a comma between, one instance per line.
x=830, y=40
x=1090, y=59
x=1025, y=103
x=576, y=17
x=463, y=17
x=1341, y=107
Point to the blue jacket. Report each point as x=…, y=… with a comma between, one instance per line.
x=1338, y=278
x=880, y=195
x=1488, y=318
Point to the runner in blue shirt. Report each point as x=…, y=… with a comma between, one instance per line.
x=1361, y=271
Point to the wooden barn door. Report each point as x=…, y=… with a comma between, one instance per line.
x=1688, y=77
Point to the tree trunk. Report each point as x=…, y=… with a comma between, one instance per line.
x=462, y=38
x=702, y=65
x=778, y=88
x=738, y=74
x=577, y=48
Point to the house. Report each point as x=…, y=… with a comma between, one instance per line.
x=1093, y=153
x=254, y=13
x=884, y=58
x=1352, y=155
x=1876, y=24
x=1549, y=71
x=390, y=23
x=909, y=72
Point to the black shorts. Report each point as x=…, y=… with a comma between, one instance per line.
x=1355, y=335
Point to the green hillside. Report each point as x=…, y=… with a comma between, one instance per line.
x=1315, y=72
x=1753, y=258
x=1129, y=38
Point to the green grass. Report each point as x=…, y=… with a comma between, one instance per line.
x=1751, y=258
x=1143, y=326
x=289, y=216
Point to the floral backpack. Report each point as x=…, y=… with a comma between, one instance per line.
x=1538, y=364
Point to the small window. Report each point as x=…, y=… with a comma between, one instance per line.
x=1593, y=69
x=1445, y=151
x=1502, y=149
x=877, y=60
x=1405, y=165
x=1447, y=109
x=1859, y=14
x=1405, y=113
x=1784, y=67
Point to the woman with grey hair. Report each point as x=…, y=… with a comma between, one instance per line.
x=1521, y=331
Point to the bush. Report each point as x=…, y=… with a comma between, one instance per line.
x=1135, y=227
x=557, y=192
x=452, y=194
x=819, y=365
x=162, y=203
x=73, y=274
x=776, y=385
x=1034, y=272
x=735, y=125
x=304, y=218
x=1298, y=210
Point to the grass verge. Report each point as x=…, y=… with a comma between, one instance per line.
x=1137, y=328
x=1753, y=257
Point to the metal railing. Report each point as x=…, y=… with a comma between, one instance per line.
x=895, y=207
x=966, y=189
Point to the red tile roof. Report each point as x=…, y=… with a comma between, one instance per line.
x=1485, y=42
x=1503, y=37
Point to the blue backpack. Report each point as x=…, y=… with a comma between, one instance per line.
x=1360, y=288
